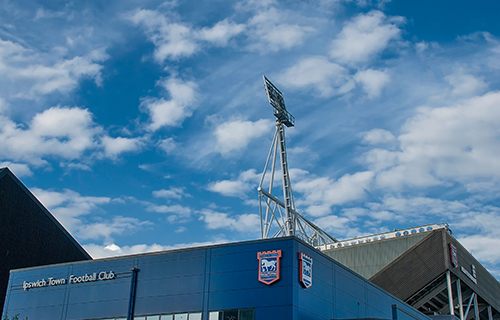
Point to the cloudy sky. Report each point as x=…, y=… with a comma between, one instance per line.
x=144, y=125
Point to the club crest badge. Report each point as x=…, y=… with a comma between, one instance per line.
x=305, y=269
x=269, y=266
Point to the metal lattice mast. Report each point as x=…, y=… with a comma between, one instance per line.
x=287, y=186
x=280, y=218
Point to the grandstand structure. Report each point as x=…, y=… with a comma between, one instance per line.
x=426, y=267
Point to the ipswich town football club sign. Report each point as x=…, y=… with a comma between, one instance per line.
x=305, y=270
x=269, y=266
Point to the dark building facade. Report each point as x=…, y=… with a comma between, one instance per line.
x=29, y=234
x=427, y=268
x=281, y=278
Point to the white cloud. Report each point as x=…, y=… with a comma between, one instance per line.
x=111, y=250
x=181, y=229
x=365, y=36
x=175, y=40
x=273, y=30
x=174, y=111
x=325, y=77
x=267, y=30
x=456, y=143
x=478, y=232
x=378, y=136
x=168, y=145
x=380, y=159
x=333, y=224
x=172, y=193
x=319, y=194
x=75, y=166
x=64, y=132
x=19, y=169
x=48, y=14
x=4, y=106
x=360, y=3
x=248, y=5
x=107, y=228
x=241, y=223
x=236, y=188
x=172, y=40
x=116, y=146
x=61, y=131
x=465, y=84
x=30, y=74
x=74, y=211
x=177, y=212
x=221, y=32
x=480, y=219
x=423, y=206
x=484, y=247
x=237, y=134
x=373, y=81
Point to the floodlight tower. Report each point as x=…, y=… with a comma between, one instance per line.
x=280, y=217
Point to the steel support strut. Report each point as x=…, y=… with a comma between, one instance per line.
x=287, y=188
x=460, y=300
x=450, y=293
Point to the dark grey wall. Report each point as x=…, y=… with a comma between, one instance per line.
x=418, y=266
x=29, y=234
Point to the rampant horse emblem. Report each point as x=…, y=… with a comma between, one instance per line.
x=269, y=266
x=305, y=269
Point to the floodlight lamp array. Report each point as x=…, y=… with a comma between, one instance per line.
x=278, y=103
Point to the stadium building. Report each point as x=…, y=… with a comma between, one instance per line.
x=409, y=274
x=282, y=278
x=427, y=268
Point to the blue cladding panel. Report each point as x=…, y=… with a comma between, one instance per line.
x=233, y=280
x=203, y=279
x=379, y=301
x=306, y=315
x=99, y=291
x=274, y=295
x=341, y=313
x=319, y=289
x=169, y=304
x=374, y=313
x=274, y=313
x=174, y=255
x=46, y=313
x=175, y=268
x=19, y=298
x=254, y=246
x=349, y=283
x=98, y=309
x=121, y=265
x=348, y=302
x=234, y=262
x=170, y=286
x=314, y=304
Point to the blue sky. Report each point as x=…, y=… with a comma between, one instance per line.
x=144, y=125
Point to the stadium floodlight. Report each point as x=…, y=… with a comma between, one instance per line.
x=276, y=100
x=279, y=218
